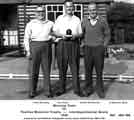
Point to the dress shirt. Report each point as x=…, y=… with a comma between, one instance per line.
x=37, y=30
x=93, y=21
x=65, y=22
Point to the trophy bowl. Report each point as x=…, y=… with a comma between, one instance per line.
x=68, y=33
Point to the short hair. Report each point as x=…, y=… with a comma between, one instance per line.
x=40, y=8
x=92, y=3
x=68, y=1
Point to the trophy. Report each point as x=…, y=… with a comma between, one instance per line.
x=69, y=34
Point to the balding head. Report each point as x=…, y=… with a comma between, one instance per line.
x=92, y=8
x=40, y=12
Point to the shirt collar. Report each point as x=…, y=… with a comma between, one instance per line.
x=64, y=15
x=44, y=21
x=97, y=17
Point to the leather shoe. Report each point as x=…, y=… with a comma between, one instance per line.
x=49, y=95
x=101, y=94
x=80, y=94
x=58, y=93
x=32, y=95
x=87, y=93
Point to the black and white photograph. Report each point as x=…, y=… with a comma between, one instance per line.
x=67, y=59
x=66, y=49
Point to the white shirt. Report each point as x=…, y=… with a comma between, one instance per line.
x=93, y=21
x=37, y=30
x=64, y=22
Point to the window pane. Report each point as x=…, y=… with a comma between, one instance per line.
x=78, y=7
x=54, y=8
x=78, y=14
x=49, y=8
x=60, y=8
x=58, y=13
x=51, y=16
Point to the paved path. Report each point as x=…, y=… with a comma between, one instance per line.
x=11, y=89
x=17, y=90
x=18, y=65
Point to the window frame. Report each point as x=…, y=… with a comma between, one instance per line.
x=57, y=5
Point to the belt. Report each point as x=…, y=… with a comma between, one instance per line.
x=70, y=40
x=46, y=41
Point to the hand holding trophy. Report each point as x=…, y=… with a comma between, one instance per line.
x=68, y=35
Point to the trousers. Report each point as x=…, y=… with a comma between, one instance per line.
x=68, y=53
x=94, y=57
x=41, y=54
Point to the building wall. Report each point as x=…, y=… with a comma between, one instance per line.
x=102, y=9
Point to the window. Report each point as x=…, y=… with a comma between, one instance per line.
x=53, y=11
x=78, y=10
x=10, y=38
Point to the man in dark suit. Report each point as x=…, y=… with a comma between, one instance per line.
x=96, y=37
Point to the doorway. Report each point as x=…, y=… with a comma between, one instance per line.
x=8, y=26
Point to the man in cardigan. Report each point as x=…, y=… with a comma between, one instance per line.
x=38, y=47
x=96, y=37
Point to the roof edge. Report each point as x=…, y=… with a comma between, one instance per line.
x=49, y=1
